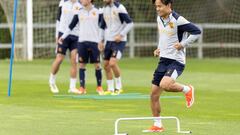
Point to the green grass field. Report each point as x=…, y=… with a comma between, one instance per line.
x=32, y=109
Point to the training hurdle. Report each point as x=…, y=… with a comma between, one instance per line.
x=116, y=132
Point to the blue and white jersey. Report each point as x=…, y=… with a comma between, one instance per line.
x=67, y=11
x=115, y=20
x=173, y=30
x=88, y=23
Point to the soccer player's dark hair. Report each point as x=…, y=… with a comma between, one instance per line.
x=165, y=2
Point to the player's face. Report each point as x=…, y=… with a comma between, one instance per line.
x=162, y=10
x=107, y=1
x=85, y=2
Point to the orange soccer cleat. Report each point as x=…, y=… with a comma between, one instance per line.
x=82, y=90
x=100, y=90
x=190, y=97
x=154, y=129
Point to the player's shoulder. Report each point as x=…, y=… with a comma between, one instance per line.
x=61, y=3
x=179, y=19
x=120, y=7
x=175, y=15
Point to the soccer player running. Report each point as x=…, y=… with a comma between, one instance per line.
x=116, y=23
x=89, y=38
x=65, y=15
x=173, y=41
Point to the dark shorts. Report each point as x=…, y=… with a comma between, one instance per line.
x=167, y=67
x=69, y=43
x=88, y=52
x=114, y=50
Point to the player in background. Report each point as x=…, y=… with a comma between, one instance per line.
x=67, y=9
x=116, y=23
x=173, y=41
x=89, y=38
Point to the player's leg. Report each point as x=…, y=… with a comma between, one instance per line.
x=72, y=45
x=107, y=68
x=82, y=70
x=56, y=64
x=61, y=52
x=73, y=72
x=98, y=74
x=116, y=56
x=156, y=109
x=83, y=60
x=169, y=84
x=55, y=68
x=155, y=95
x=109, y=76
x=113, y=63
x=95, y=59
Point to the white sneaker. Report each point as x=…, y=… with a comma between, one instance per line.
x=74, y=91
x=54, y=88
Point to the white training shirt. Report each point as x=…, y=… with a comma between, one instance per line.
x=68, y=10
x=115, y=20
x=173, y=30
x=88, y=22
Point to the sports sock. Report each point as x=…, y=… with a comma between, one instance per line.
x=157, y=123
x=52, y=78
x=118, y=83
x=186, y=89
x=82, y=77
x=110, y=84
x=98, y=74
x=73, y=82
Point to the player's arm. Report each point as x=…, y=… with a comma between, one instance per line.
x=124, y=18
x=58, y=19
x=192, y=29
x=72, y=25
x=102, y=26
x=156, y=52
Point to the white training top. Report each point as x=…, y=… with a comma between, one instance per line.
x=68, y=10
x=88, y=21
x=173, y=30
x=115, y=20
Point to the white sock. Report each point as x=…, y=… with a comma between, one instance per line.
x=52, y=78
x=118, y=82
x=110, y=84
x=73, y=82
x=158, y=123
x=186, y=89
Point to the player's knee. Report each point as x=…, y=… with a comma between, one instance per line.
x=59, y=60
x=112, y=64
x=106, y=67
x=165, y=85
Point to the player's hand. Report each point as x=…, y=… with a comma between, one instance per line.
x=101, y=46
x=118, y=38
x=156, y=52
x=178, y=46
x=60, y=40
